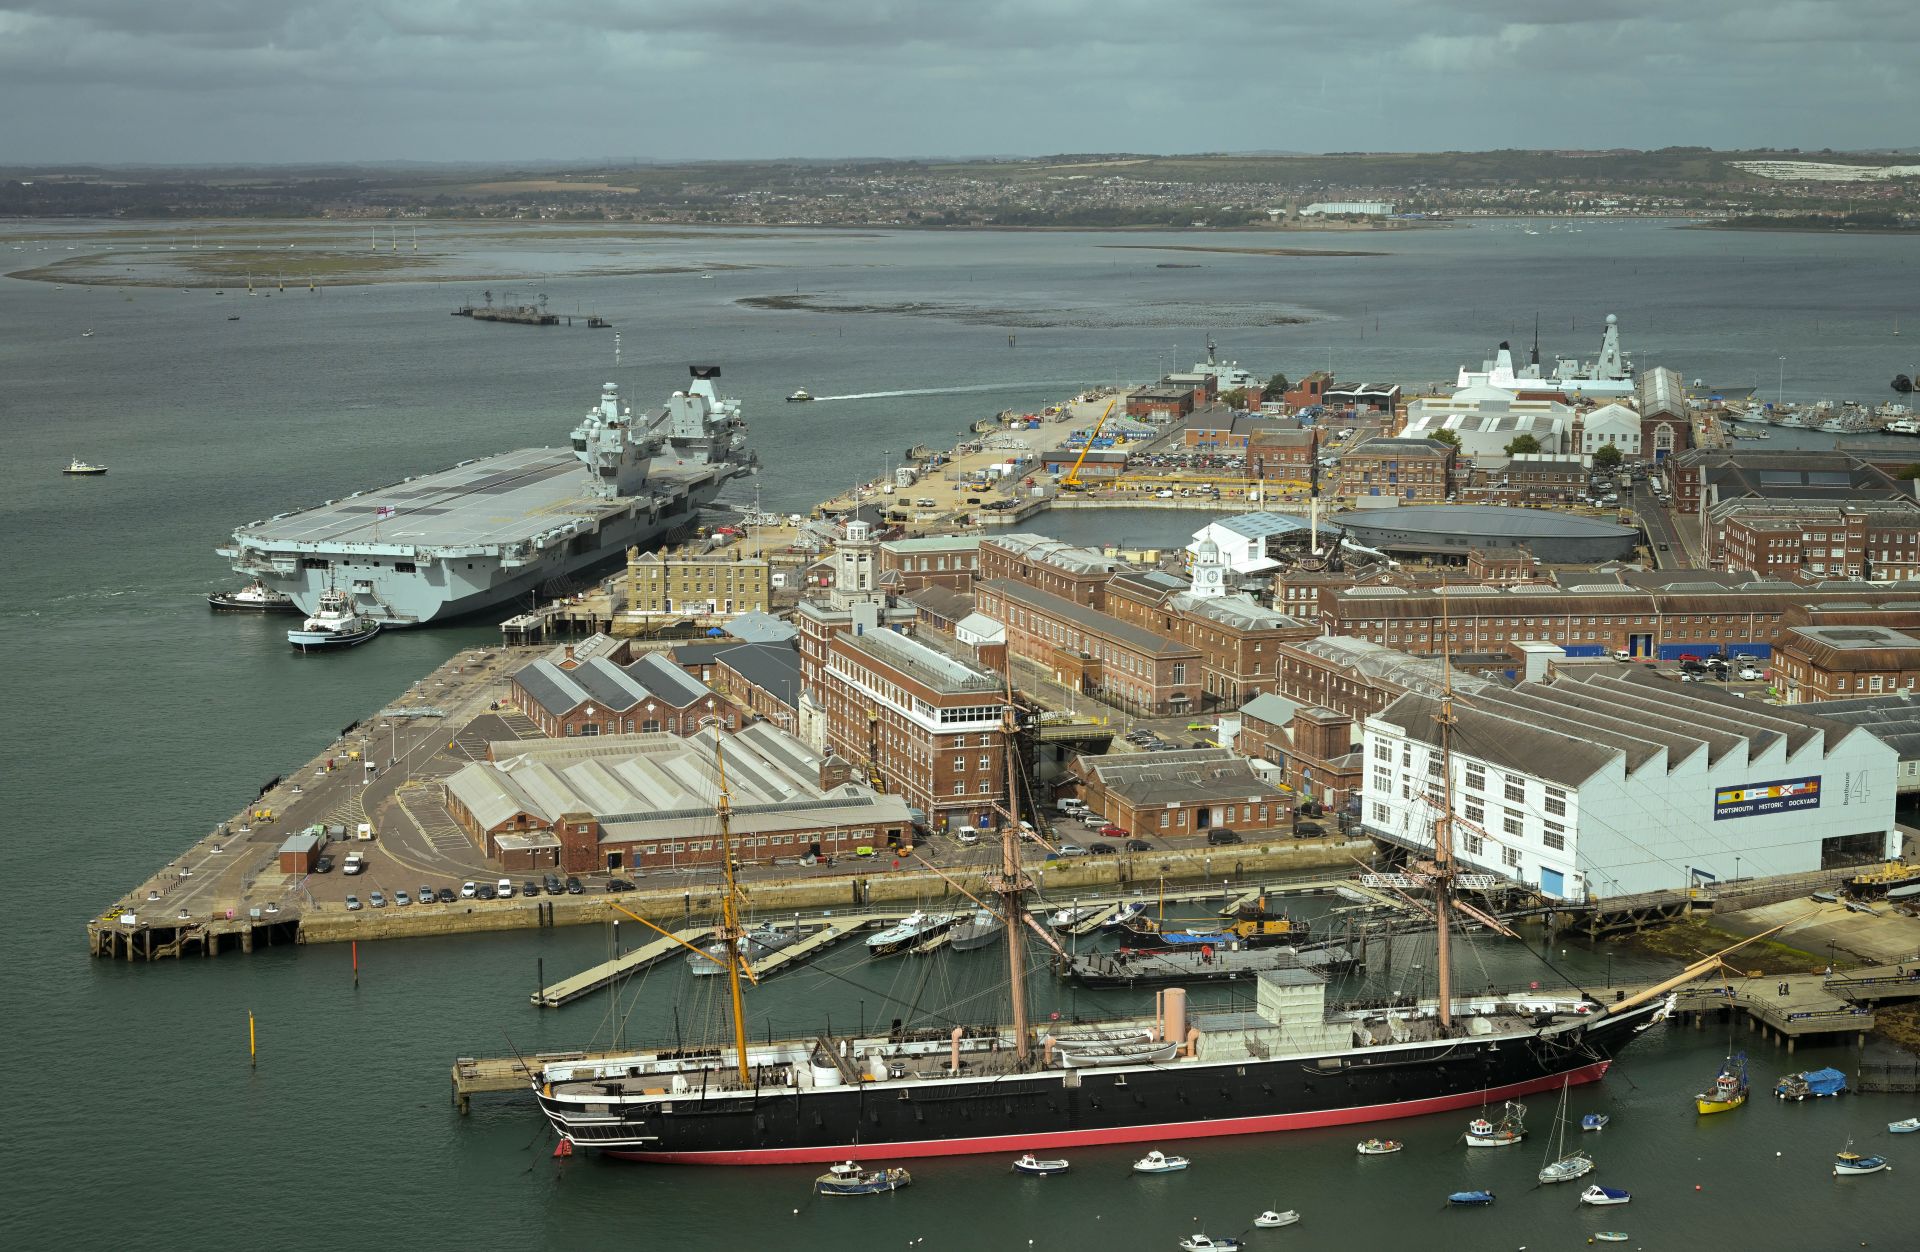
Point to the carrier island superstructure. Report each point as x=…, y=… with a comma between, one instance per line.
x=494, y=530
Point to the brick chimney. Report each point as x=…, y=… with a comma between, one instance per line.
x=835, y=772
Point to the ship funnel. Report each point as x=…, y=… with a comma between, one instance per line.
x=1173, y=1014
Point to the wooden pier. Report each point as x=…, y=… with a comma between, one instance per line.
x=1789, y=1007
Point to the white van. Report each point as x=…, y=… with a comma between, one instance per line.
x=353, y=864
x=365, y=831
x=967, y=835
x=504, y=889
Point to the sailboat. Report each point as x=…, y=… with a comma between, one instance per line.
x=1729, y=1089
x=966, y=1085
x=1564, y=1166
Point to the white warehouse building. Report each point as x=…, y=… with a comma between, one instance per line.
x=1613, y=783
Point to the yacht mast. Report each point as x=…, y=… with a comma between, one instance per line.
x=1012, y=883
x=730, y=914
x=1443, y=825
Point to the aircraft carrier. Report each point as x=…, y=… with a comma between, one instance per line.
x=504, y=528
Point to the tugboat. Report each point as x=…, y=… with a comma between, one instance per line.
x=337, y=624
x=78, y=468
x=255, y=597
x=1729, y=1090
x=800, y=397
x=852, y=1178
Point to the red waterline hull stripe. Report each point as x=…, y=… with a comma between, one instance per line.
x=1119, y=1134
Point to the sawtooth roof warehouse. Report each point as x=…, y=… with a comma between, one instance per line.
x=1613, y=784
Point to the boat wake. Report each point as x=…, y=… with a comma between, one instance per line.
x=948, y=391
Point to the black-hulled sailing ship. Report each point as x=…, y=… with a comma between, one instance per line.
x=1295, y=1061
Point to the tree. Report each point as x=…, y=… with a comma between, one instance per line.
x=1443, y=435
x=1276, y=387
x=1235, y=399
x=1910, y=473
x=1522, y=444
x=1607, y=457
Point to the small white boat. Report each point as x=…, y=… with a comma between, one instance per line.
x=1269, y=1219
x=1158, y=1162
x=1379, y=1147
x=82, y=469
x=1599, y=1195
x=1595, y=1121
x=1905, y=1126
x=1030, y=1164
x=800, y=397
x=1095, y=1056
x=1850, y=1162
x=1067, y=918
x=1205, y=1243
x=1611, y=1236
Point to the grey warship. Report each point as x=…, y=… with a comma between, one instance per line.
x=490, y=531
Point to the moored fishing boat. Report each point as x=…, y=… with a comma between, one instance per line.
x=852, y=1178
x=1205, y=1243
x=1379, y=1147
x=1509, y=1130
x=1729, y=1089
x=1158, y=1162
x=1270, y=1220
x=1811, y=1084
x=77, y=468
x=1598, y=1195
x=1849, y=1162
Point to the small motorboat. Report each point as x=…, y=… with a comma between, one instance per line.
x=1611, y=1236
x=1206, y=1243
x=1158, y=1162
x=1030, y=1164
x=1594, y=1121
x=1379, y=1147
x=1470, y=1197
x=1729, y=1090
x=1599, y=1195
x=1812, y=1083
x=1851, y=1162
x=78, y=468
x=800, y=397
x=1905, y=1126
x=1269, y=1219
x=1127, y=913
x=1068, y=918
x=255, y=597
x=852, y=1178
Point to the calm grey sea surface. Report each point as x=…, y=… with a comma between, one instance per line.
x=139, y=719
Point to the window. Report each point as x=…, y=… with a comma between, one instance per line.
x=959, y=786
x=1475, y=844
x=1382, y=780
x=1510, y=823
x=1556, y=801
x=986, y=786
x=1379, y=813
x=1383, y=752
x=1474, y=812
x=1166, y=817
x=1511, y=856
x=986, y=762
x=1515, y=790
x=1476, y=778
x=1556, y=836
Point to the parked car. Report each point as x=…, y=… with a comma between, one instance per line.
x=1072, y=849
x=1114, y=832
x=529, y=888
x=468, y=890
x=554, y=885
x=967, y=835
x=618, y=884
x=353, y=904
x=401, y=899
x=504, y=889
x=574, y=888
x=426, y=894
x=1748, y=674
x=486, y=891
x=1220, y=834
x=1138, y=845
x=1304, y=829
x=445, y=895
x=1101, y=849
x=323, y=866
x=377, y=900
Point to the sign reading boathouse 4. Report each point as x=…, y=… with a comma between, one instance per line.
x=1767, y=797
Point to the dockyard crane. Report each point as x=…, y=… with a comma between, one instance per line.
x=1072, y=481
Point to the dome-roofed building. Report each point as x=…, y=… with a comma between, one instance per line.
x=1457, y=529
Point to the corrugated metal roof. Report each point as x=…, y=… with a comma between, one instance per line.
x=663, y=679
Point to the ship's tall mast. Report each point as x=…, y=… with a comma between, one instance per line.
x=730, y=915
x=1012, y=884
x=1443, y=825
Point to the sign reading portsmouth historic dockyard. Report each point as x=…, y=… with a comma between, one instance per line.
x=1766, y=797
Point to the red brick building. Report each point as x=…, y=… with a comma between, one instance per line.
x=1236, y=637
x=1414, y=471
x=1171, y=794
x=1807, y=542
x=1059, y=569
x=1164, y=401
x=1091, y=652
x=1309, y=391
x=1277, y=455
x=1317, y=750
x=599, y=697
x=936, y=560
x=1845, y=662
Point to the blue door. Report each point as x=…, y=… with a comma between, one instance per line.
x=1553, y=882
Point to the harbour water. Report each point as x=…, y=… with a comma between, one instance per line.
x=141, y=719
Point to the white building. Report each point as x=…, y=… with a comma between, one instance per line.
x=1241, y=539
x=1348, y=208
x=1613, y=783
x=1611, y=425
x=1487, y=419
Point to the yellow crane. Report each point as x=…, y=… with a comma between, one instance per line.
x=1072, y=481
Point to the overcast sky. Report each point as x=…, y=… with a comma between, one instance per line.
x=295, y=80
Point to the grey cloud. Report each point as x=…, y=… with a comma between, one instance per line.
x=199, y=80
